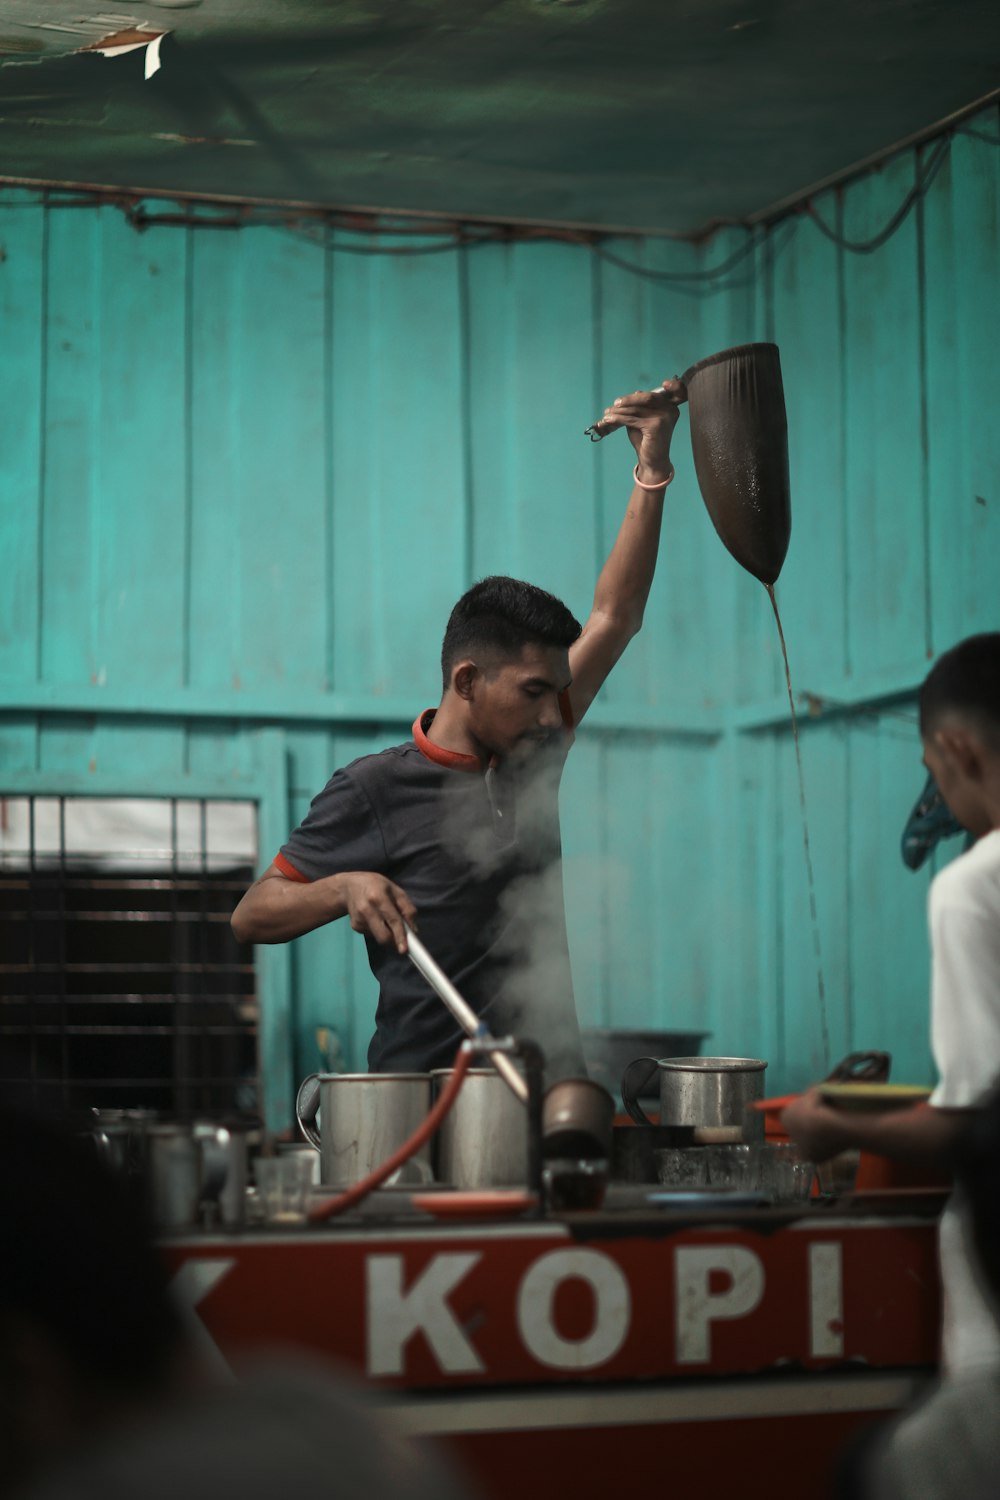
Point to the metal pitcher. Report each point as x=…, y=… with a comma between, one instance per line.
x=707, y=1095
x=187, y=1165
x=483, y=1140
x=119, y=1137
x=364, y=1118
x=228, y=1149
x=739, y=436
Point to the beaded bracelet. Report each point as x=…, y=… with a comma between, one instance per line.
x=661, y=485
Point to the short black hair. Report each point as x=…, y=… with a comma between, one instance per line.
x=965, y=680
x=503, y=615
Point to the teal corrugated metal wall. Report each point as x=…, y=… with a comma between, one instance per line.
x=244, y=478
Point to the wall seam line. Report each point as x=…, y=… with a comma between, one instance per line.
x=465, y=416
x=845, y=508
x=329, y=531
x=188, y=539
x=925, y=516
x=43, y=381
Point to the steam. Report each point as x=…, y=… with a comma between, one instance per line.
x=535, y=995
x=519, y=846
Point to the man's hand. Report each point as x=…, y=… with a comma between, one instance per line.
x=377, y=907
x=649, y=418
x=922, y=1133
x=814, y=1126
x=276, y=909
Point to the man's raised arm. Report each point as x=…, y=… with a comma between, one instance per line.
x=625, y=580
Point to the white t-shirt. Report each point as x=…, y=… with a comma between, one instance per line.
x=964, y=916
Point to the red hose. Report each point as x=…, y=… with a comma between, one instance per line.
x=423, y=1133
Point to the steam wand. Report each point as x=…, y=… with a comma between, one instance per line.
x=463, y=1013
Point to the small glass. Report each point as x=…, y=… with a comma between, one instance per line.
x=283, y=1184
x=787, y=1176
x=682, y=1167
x=574, y=1184
x=838, y=1175
x=735, y=1168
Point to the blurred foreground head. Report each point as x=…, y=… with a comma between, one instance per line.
x=88, y=1334
x=100, y=1397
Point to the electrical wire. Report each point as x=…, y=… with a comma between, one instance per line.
x=705, y=281
x=722, y=269
x=866, y=247
x=980, y=135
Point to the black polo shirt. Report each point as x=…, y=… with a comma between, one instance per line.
x=478, y=852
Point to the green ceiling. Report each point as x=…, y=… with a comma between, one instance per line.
x=663, y=114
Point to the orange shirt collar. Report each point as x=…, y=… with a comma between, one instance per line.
x=455, y=760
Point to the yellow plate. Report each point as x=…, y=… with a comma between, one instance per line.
x=873, y=1096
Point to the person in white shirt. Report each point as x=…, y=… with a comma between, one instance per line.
x=950, y=1443
x=960, y=730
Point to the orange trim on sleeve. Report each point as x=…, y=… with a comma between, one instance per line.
x=289, y=871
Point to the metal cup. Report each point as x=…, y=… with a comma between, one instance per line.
x=700, y=1094
x=577, y=1116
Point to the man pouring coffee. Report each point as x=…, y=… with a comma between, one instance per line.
x=456, y=831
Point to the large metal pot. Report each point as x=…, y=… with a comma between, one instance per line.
x=483, y=1140
x=364, y=1118
x=707, y=1095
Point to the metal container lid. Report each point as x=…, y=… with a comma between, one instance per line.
x=712, y=1064
x=370, y=1077
x=469, y=1073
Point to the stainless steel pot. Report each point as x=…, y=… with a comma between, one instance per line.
x=707, y=1095
x=364, y=1118
x=483, y=1140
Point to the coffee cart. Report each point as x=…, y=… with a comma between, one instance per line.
x=593, y=1347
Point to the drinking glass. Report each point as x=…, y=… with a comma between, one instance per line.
x=682, y=1167
x=283, y=1184
x=572, y=1184
x=734, y=1168
x=787, y=1175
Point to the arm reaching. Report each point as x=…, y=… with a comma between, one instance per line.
x=623, y=587
x=922, y=1133
x=276, y=909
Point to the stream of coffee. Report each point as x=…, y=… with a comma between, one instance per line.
x=805, y=837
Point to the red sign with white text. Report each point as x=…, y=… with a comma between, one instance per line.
x=533, y=1303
